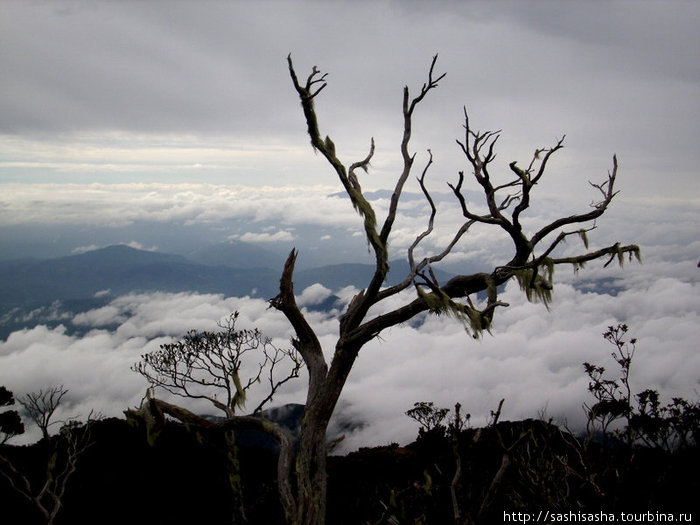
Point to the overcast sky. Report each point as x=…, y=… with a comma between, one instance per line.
x=199, y=91
x=183, y=112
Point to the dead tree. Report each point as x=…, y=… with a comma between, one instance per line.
x=62, y=453
x=531, y=263
x=207, y=365
x=42, y=405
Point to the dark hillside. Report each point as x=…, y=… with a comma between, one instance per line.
x=184, y=478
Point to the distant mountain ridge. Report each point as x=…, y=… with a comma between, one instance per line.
x=120, y=269
x=90, y=279
x=123, y=269
x=50, y=291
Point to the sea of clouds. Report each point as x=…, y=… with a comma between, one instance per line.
x=533, y=358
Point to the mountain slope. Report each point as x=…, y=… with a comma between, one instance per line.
x=121, y=269
x=38, y=291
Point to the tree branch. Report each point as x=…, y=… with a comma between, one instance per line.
x=153, y=412
x=306, y=342
x=348, y=179
x=366, y=300
x=607, y=189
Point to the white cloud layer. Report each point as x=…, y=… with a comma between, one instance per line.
x=120, y=204
x=533, y=359
x=314, y=294
x=282, y=235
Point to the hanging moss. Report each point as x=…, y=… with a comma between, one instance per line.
x=637, y=253
x=143, y=415
x=549, y=266
x=439, y=303
x=491, y=289
x=364, y=208
x=239, y=397
x=633, y=252
x=619, y=253
x=584, y=237
x=537, y=288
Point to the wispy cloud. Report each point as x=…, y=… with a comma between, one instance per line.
x=132, y=244
x=281, y=235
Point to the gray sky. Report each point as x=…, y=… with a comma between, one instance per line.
x=182, y=112
x=198, y=91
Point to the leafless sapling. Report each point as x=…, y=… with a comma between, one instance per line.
x=62, y=451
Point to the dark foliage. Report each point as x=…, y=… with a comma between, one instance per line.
x=184, y=478
x=121, y=479
x=669, y=427
x=10, y=422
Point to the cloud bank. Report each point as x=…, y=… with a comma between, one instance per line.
x=533, y=359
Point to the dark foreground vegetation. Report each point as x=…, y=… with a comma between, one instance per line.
x=636, y=455
x=524, y=466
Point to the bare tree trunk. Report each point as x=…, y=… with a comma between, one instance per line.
x=312, y=453
x=311, y=473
